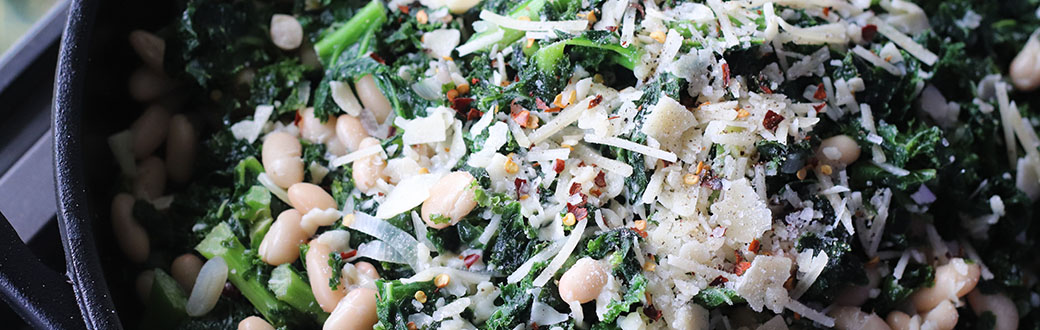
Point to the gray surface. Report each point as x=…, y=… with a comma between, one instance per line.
x=27, y=189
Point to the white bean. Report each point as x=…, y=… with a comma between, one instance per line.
x=838, y=151
x=356, y=311
x=319, y=273
x=1025, y=68
x=353, y=278
x=185, y=269
x=149, y=130
x=350, y=132
x=450, y=197
x=313, y=130
x=1003, y=309
x=254, y=323
x=180, y=149
x=306, y=196
x=952, y=280
x=368, y=170
x=852, y=318
x=149, y=47
x=132, y=238
x=901, y=321
x=146, y=85
x=208, y=286
x=281, y=244
x=281, y=158
x=584, y=281
x=367, y=269
x=372, y=98
x=144, y=285
x=943, y=317
x=150, y=181
x=286, y=32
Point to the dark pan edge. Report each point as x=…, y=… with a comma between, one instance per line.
x=74, y=215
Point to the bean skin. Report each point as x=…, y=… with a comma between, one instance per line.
x=286, y=32
x=306, y=196
x=372, y=98
x=281, y=243
x=843, y=146
x=254, y=323
x=368, y=170
x=281, y=158
x=130, y=235
x=356, y=311
x=950, y=283
x=181, y=142
x=149, y=130
x=583, y=282
x=185, y=269
x=319, y=273
x=315, y=131
x=350, y=132
x=450, y=197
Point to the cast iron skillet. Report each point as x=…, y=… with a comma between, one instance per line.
x=90, y=103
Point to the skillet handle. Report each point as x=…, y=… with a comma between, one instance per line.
x=41, y=296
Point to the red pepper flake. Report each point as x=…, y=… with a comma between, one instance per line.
x=612, y=28
x=574, y=207
x=297, y=118
x=601, y=179
x=377, y=58
x=741, y=267
x=826, y=11
x=474, y=114
x=558, y=165
x=754, y=246
x=771, y=120
x=580, y=213
x=720, y=280
x=821, y=93
x=725, y=74
x=348, y=254
x=868, y=32
x=765, y=88
x=521, y=117
x=521, y=187
x=595, y=101
x=471, y=259
x=553, y=109
x=653, y=313
x=474, y=81
x=461, y=104
x=575, y=188
x=404, y=9
x=613, y=117
x=819, y=107
x=539, y=104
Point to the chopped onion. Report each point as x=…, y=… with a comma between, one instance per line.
x=394, y=237
x=379, y=251
x=208, y=286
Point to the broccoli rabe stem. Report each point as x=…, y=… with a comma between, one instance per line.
x=547, y=57
x=290, y=287
x=371, y=15
x=165, y=303
x=222, y=242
